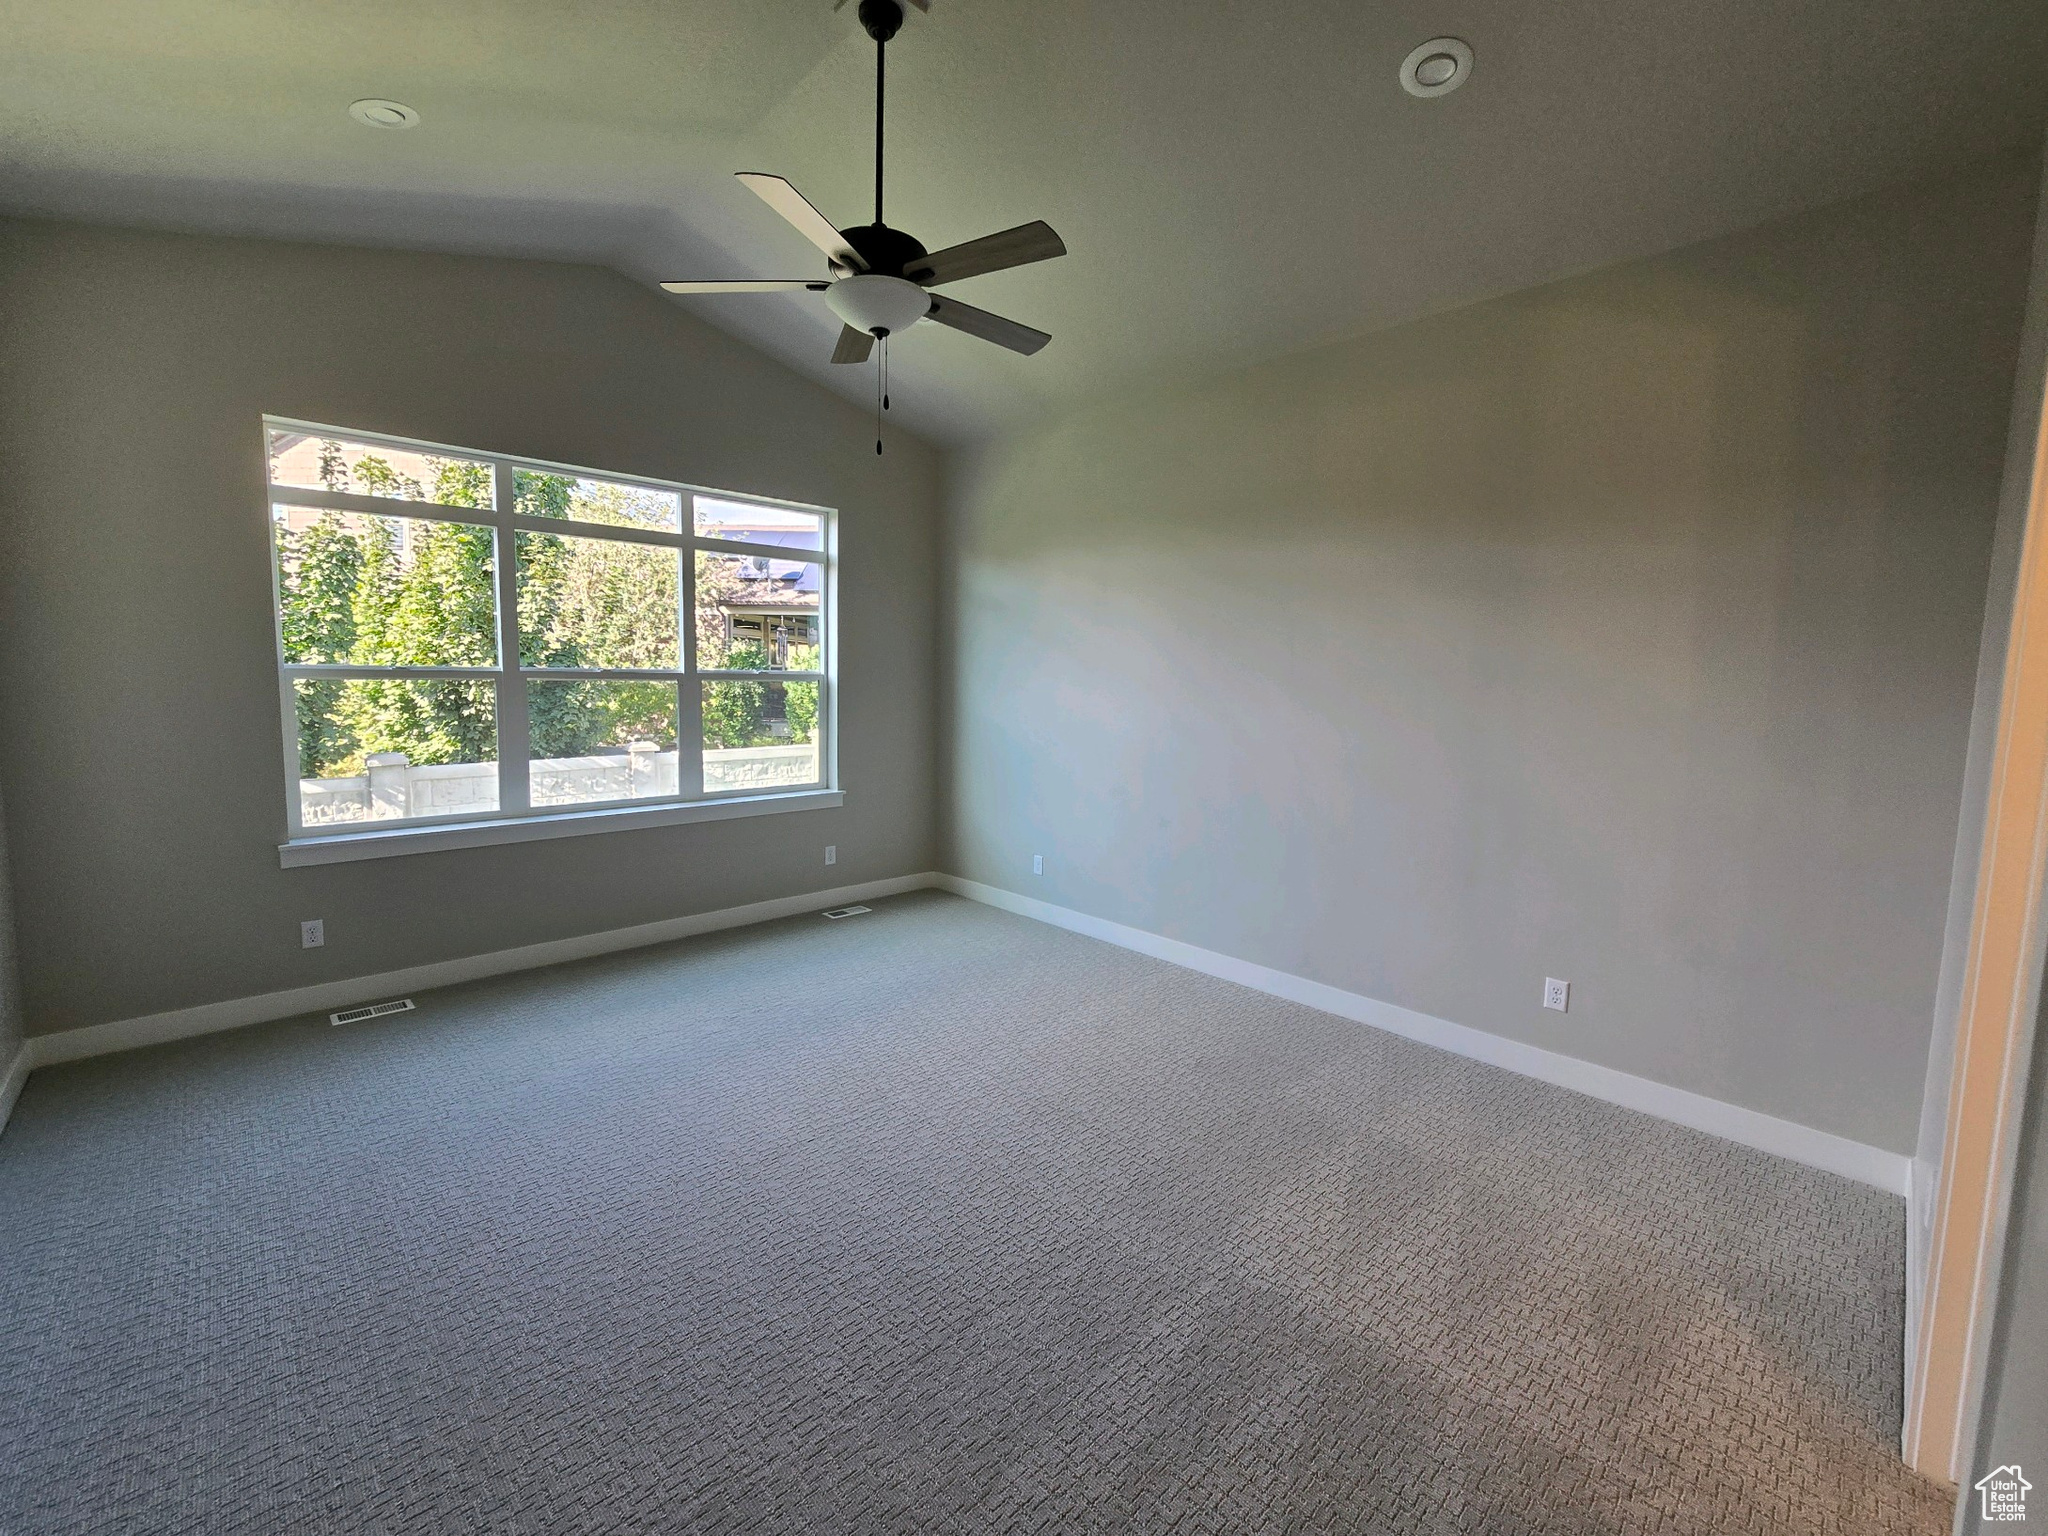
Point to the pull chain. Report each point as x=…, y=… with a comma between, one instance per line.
x=881, y=388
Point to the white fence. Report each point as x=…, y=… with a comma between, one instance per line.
x=394, y=789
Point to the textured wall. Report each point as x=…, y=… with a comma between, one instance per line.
x=1622, y=630
x=139, y=738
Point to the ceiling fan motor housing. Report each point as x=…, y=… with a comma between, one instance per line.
x=879, y=305
x=885, y=250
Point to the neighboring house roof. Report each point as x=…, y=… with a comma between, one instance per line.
x=771, y=594
x=796, y=575
x=805, y=542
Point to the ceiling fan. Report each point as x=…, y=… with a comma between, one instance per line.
x=880, y=277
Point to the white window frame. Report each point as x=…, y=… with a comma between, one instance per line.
x=515, y=819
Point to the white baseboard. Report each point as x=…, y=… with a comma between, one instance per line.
x=11, y=1081
x=208, y=1018
x=1784, y=1138
x=1802, y=1144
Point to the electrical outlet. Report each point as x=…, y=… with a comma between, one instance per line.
x=831, y=853
x=1556, y=994
x=312, y=933
x=1038, y=863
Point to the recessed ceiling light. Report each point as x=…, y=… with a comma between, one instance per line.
x=373, y=113
x=1437, y=67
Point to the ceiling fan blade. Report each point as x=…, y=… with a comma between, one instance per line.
x=750, y=285
x=806, y=220
x=854, y=346
x=979, y=322
x=1026, y=243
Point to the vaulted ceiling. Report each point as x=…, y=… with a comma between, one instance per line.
x=1233, y=180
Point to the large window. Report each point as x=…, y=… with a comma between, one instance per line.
x=464, y=637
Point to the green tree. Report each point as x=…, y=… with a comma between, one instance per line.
x=318, y=570
x=333, y=466
x=425, y=596
x=800, y=704
x=595, y=603
x=374, y=476
x=735, y=712
x=403, y=591
x=432, y=606
x=718, y=583
x=564, y=718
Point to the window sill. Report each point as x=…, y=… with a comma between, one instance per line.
x=385, y=843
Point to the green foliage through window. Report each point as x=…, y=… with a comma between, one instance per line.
x=397, y=590
x=757, y=714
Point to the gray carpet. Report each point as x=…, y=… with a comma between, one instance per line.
x=933, y=1220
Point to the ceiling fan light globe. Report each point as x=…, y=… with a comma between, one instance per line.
x=881, y=306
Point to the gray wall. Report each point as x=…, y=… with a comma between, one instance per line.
x=2012, y=1423
x=2021, y=433
x=1622, y=630
x=10, y=980
x=140, y=747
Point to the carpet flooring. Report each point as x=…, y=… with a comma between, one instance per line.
x=931, y=1220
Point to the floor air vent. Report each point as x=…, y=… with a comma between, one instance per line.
x=374, y=1011
x=846, y=911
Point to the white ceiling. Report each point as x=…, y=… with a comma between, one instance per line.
x=1233, y=179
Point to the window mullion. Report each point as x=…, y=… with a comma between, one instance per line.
x=514, y=746
x=793, y=553
x=343, y=669
x=288, y=698
x=621, y=533
x=689, y=692
x=372, y=506
x=828, y=653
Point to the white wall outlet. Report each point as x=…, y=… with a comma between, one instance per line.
x=312, y=933
x=1556, y=994
x=1038, y=863
x=831, y=853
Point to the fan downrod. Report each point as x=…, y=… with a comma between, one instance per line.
x=885, y=250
